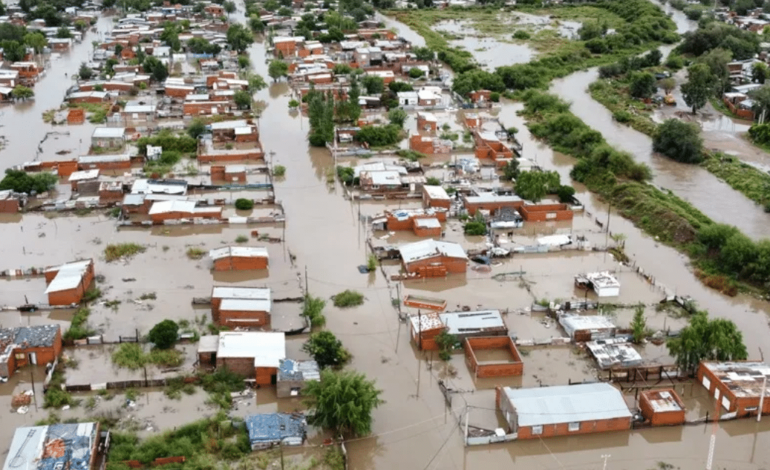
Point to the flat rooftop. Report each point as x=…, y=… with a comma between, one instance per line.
x=744, y=379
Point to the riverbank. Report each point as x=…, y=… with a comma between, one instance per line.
x=613, y=94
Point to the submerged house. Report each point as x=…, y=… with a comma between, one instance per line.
x=737, y=386
x=293, y=375
x=241, y=306
x=247, y=353
x=36, y=345
x=239, y=258
x=565, y=410
x=270, y=429
x=431, y=258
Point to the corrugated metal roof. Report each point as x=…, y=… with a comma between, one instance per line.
x=245, y=305
x=267, y=348
x=28, y=450
x=87, y=159
x=412, y=252
x=240, y=293
x=239, y=252
x=463, y=323
x=162, y=207
x=290, y=369
x=276, y=427
x=68, y=277
x=109, y=132
x=84, y=175
x=567, y=404
x=573, y=323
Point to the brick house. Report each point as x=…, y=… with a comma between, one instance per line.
x=488, y=146
x=10, y=202
x=36, y=345
x=476, y=357
x=248, y=353
x=571, y=410
x=294, y=375
x=461, y=325
x=491, y=202
x=228, y=173
x=423, y=222
x=737, y=386
x=57, y=446
x=435, y=197
x=108, y=137
x=104, y=162
x=427, y=122
x=480, y=96
x=545, y=212
x=662, y=407
x=287, y=46
x=424, y=329
x=176, y=210
x=110, y=192
x=68, y=283
x=431, y=258
x=241, y=306
x=239, y=258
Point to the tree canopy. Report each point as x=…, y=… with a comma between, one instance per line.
x=164, y=334
x=707, y=339
x=679, y=141
x=534, y=185
x=277, y=69
x=22, y=182
x=699, y=86
x=326, y=349
x=342, y=402
x=239, y=38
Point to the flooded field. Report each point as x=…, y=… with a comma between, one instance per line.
x=324, y=235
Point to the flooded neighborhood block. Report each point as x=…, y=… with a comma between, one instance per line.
x=241, y=306
x=738, y=387
x=239, y=258
x=662, y=407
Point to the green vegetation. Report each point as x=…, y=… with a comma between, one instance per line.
x=203, y=444
x=342, y=402
x=371, y=263
x=750, y=181
x=379, y=136
x=410, y=155
x=244, y=204
x=220, y=384
x=132, y=356
x=195, y=253
x=614, y=95
x=164, y=334
x=313, y=311
x=241, y=239
x=326, y=350
x=397, y=117
x=348, y=298
x=475, y=227
x=169, y=142
x=346, y=175
x=432, y=181
x=21, y=182
x=679, y=141
x=446, y=344
x=79, y=326
x=639, y=325
x=55, y=396
x=176, y=386
x=707, y=339
x=239, y=38
x=164, y=164
x=122, y=251
x=534, y=185
x=92, y=294
x=277, y=69
x=279, y=170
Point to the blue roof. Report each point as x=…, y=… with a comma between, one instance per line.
x=45, y=447
x=275, y=427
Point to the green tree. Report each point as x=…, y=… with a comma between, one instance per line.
x=326, y=349
x=679, y=141
x=397, y=116
x=242, y=99
x=642, y=85
x=256, y=24
x=243, y=204
x=423, y=53
x=342, y=402
x=534, y=185
x=155, y=68
x=13, y=51
x=170, y=36
x=373, y=84
x=20, y=92
x=229, y=7
x=196, y=128
x=35, y=40
x=415, y=73
x=707, y=339
x=63, y=33
x=717, y=60
x=699, y=86
x=256, y=82
x=84, y=72
x=511, y=170
x=164, y=334
x=668, y=84
x=759, y=72
x=565, y=193
x=639, y=324
x=312, y=309
x=277, y=69
x=592, y=30
x=239, y=38
x=243, y=62
x=21, y=182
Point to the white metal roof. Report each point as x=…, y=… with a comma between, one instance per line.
x=603, y=279
x=435, y=192
x=109, y=132
x=489, y=197
x=573, y=323
x=68, y=277
x=383, y=178
x=416, y=251
x=239, y=251
x=567, y=404
x=229, y=124
x=267, y=349
x=245, y=305
x=427, y=223
x=88, y=159
x=467, y=322
x=241, y=293
x=84, y=175
x=161, y=207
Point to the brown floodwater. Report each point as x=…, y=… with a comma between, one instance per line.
x=413, y=429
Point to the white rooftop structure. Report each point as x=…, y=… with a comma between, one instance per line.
x=604, y=284
x=238, y=252
x=383, y=178
x=566, y=404
x=435, y=192
x=107, y=158
x=267, y=348
x=252, y=293
x=463, y=323
x=84, y=175
x=162, y=207
x=593, y=323
x=431, y=222
x=489, y=197
x=245, y=305
x=147, y=186
x=425, y=322
x=109, y=133
x=424, y=249
x=68, y=277
x=378, y=166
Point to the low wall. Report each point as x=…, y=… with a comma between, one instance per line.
x=493, y=369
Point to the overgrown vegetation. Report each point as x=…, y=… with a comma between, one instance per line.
x=326, y=350
x=22, y=182
x=705, y=339
x=313, y=310
x=243, y=204
x=79, y=328
x=122, y=251
x=342, y=402
x=132, y=356
x=348, y=298
x=446, y=344
x=195, y=253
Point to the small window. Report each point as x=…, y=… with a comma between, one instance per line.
x=537, y=430
x=574, y=427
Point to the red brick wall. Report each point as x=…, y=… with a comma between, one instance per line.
x=257, y=154
x=445, y=203
x=422, y=124
x=240, y=365
x=738, y=405
x=427, y=231
x=502, y=369
x=544, y=212
x=9, y=206
x=71, y=296
x=452, y=265
x=256, y=319
x=178, y=92
x=418, y=145
x=586, y=427
x=285, y=49
x=236, y=263
x=265, y=375
x=110, y=196
x=492, y=206
x=122, y=165
x=196, y=108
x=667, y=418
x=159, y=218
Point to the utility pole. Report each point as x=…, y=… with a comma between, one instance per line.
x=605, y=457
x=607, y=236
x=761, y=399
x=32, y=377
x=307, y=287
x=467, y=418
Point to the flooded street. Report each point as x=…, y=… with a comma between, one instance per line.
x=323, y=234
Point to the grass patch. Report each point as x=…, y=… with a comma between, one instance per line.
x=91, y=294
x=241, y=239
x=751, y=182
x=176, y=386
x=195, y=253
x=348, y=298
x=132, y=356
x=614, y=95
x=79, y=328
x=122, y=251
x=220, y=384
x=97, y=111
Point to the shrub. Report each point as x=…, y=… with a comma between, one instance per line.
x=521, y=35
x=313, y=310
x=475, y=227
x=279, y=170
x=414, y=72
x=21, y=182
x=494, y=97
x=244, y=204
x=78, y=327
x=164, y=334
x=326, y=349
x=195, y=253
x=241, y=239
x=565, y=193
x=432, y=181
x=348, y=298
x=679, y=141
x=122, y=250
x=621, y=116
